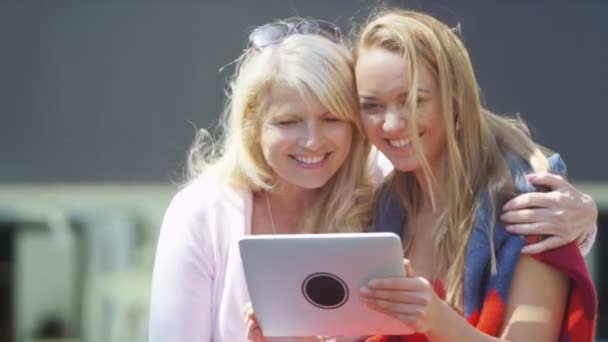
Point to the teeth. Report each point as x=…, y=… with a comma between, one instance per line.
x=310, y=160
x=400, y=142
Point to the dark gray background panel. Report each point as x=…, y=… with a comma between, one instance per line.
x=110, y=91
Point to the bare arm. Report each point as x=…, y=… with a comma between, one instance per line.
x=534, y=310
x=537, y=302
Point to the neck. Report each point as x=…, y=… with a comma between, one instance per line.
x=433, y=187
x=289, y=206
x=285, y=196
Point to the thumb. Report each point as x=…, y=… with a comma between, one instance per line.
x=409, y=269
x=546, y=181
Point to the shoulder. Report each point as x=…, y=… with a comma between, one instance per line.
x=519, y=167
x=489, y=211
x=201, y=201
x=208, y=190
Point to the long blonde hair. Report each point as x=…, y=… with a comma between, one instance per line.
x=477, y=139
x=316, y=68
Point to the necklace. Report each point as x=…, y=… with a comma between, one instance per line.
x=269, y=208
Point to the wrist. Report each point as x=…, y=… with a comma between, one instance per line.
x=583, y=239
x=586, y=240
x=442, y=315
x=441, y=327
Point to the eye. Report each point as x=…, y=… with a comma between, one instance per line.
x=372, y=108
x=419, y=100
x=285, y=121
x=332, y=119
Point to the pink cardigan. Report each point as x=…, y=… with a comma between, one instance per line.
x=198, y=286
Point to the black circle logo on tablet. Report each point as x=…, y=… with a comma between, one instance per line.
x=325, y=290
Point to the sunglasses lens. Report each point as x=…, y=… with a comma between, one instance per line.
x=327, y=30
x=274, y=33
x=307, y=27
x=267, y=35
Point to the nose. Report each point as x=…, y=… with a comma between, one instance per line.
x=312, y=138
x=394, y=122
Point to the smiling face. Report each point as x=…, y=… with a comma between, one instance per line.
x=383, y=85
x=302, y=142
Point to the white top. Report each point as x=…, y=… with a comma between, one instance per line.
x=199, y=291
x=198, y=286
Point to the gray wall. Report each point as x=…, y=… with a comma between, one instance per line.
x=110, y=91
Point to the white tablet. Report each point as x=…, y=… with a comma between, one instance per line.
x=308, y=284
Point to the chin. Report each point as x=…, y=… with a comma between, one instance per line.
x=313, y=183
x=405, y=169
x=406, y=166
x=403, y=164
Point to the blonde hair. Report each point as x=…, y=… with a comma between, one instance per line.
x=318, y=69
x=477, y=139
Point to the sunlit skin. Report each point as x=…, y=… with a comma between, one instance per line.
x=382, y=83
x=303, y=142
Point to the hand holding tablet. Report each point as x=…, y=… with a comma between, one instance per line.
x=410, y=299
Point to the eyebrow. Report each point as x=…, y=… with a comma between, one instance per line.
x=404, y=94
x=295, y=115
x=284, y=115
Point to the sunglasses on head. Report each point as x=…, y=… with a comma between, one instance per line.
x=274, y=33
